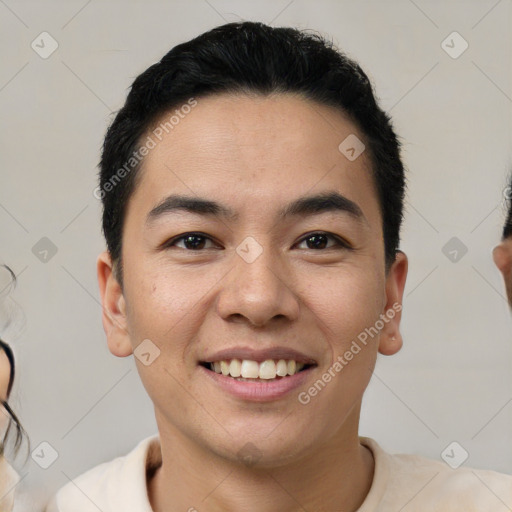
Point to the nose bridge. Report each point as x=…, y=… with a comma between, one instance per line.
x=261, y=276
x=257, y=287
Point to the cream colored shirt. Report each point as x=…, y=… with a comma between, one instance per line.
x=8, y=481
x=406, y=483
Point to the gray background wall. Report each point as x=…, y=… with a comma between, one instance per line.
x=453, y=379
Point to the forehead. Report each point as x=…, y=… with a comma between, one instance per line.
x=271, y=148
x=240, y=127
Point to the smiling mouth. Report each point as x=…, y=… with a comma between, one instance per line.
x=249, y=370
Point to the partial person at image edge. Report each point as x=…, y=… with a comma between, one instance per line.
x=9, y=424
x=502, y=253
x=9, y=478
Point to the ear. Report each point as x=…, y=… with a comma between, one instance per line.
x=502, y=258
x=114, y=308
x=390, y=338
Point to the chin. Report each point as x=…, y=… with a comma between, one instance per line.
x=264, y=454
x=265, y=444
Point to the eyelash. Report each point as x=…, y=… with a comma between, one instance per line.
x=339, y=242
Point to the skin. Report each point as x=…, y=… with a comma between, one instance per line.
x=5, y=370
x=254, y=155
x=5, y=373
x=502, y=255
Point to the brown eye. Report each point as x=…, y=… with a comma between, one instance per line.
x=191, y=241
x=317, y=241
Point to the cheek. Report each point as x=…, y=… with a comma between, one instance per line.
x=156, y=296
x=5, y=373
x=167, y=306
x=163, y=308
x=346, y=306
x=346, y=302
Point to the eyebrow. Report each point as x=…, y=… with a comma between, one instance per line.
x=308, y=205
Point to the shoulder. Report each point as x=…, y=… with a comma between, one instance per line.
x=118, y=485
x=425, y=484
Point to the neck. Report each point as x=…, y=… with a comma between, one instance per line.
x=335, y=475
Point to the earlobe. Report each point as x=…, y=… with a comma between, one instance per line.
x=390, y=338
x=502, y=259
x=114, y=308
x=389, y=346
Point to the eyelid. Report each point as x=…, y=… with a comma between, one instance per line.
x=171, y=242
x=340, y=242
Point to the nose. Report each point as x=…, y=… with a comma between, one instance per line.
x=257, y=293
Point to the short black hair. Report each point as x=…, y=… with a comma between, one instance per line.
x=247, y=58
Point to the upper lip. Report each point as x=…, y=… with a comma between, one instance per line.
x=274, y=353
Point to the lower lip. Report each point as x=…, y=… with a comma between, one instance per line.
x=260, y=390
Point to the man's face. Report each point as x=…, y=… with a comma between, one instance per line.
x=253, y=283
x=502, y=256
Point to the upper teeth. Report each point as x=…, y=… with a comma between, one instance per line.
x=248, y=369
